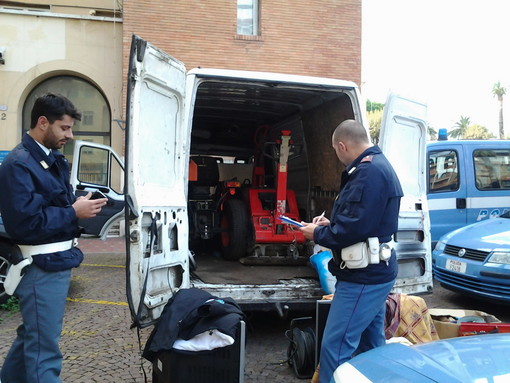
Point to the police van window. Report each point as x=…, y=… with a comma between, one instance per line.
x=98, y=166
x=492, y=169
x=95, y=125
x=443, y=171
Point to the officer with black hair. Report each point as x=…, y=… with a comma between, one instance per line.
x=40, y=213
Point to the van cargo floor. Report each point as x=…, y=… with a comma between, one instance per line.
x=211, y=269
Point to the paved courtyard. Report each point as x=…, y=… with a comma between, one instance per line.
x=98, y=344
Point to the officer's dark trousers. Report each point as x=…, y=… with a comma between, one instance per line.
x=355, y=324
x=35, y=356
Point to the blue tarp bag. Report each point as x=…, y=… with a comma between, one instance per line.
x=319, y=261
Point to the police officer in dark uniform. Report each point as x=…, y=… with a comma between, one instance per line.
x=40, y=213
x=367, y=207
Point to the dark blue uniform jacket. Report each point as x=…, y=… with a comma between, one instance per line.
x=35, y=197
x=367, y=206
x=191, y=312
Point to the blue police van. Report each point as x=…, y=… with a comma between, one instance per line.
x=468, y=181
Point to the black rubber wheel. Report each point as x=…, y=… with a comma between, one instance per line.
x=4, y=265
x=234, y=225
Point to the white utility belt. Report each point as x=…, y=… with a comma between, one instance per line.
x=365, y=253
x=390, y=244
x=47, y=248
x=15, y=272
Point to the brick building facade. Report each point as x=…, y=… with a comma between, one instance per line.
x=318, y=38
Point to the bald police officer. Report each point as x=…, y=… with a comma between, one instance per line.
x=366, y=207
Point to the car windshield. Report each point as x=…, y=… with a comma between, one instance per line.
x=506, y=214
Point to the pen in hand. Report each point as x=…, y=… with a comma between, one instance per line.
x=320, y=217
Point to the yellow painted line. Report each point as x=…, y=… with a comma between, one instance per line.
x=78, y=333
x=81, y=300
x=99, y=265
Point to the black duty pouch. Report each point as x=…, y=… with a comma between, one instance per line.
x=337, y=256
x=59, y=261
x=11, y=252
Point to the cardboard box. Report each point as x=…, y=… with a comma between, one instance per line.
x=447, y=324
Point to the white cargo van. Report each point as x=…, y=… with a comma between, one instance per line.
x=177, y=121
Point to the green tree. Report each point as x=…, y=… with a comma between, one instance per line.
x=374, y=124
x=460, y=127
x=432, y=133
x=372, y=105
x=499, y=91
x=477, y=132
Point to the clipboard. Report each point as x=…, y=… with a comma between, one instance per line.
x=290, y=221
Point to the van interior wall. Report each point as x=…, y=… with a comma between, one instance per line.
x=324, y=167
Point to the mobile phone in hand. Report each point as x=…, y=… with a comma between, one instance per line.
x=98, y=194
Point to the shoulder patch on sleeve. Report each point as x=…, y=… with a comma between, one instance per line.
x=367, y=159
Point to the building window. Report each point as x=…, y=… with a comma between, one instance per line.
x=248, y=17
x=95, y=125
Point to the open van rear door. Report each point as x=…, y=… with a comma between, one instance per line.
x=156, y=166
x=403, y=139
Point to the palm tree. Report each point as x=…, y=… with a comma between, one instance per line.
x=499, y=91
x=460, y=127
x=432, y=133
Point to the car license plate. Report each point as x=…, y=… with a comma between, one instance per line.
x=457, y=266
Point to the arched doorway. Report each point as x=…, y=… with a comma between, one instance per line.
x=95, y=124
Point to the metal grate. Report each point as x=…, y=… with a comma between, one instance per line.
x=475, y=255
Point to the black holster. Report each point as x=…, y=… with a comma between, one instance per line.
x=11, y=252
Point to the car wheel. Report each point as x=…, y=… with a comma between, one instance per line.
x=234, y=225
x=4, y=266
